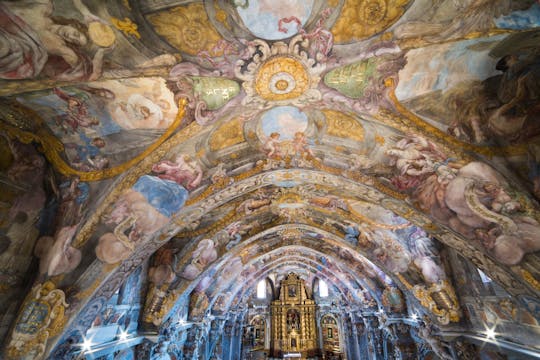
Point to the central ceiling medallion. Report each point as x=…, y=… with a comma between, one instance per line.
x=281, y=78
x=280, y=74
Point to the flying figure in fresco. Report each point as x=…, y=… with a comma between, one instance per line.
x=184, y=171
x=76, y=113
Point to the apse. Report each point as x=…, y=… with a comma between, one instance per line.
x=255, y=179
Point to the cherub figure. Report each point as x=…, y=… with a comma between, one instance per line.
x=301, y=147
x=271, y=146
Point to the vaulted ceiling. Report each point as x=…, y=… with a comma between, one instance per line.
x=352, y=141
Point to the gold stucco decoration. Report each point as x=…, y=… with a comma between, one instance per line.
x=343, y=126
x=221, y=16
x=228, y=134
x=127, y=26
x=281, y=78
x=530, y=279
x=41, y=317
x=53, y=148
x=186, y=27
x=361, y=19
x=280, y=73
x=440, y=299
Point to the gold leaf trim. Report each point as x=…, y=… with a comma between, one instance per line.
x=432, y=131
x=529, y=278
x=52, y=147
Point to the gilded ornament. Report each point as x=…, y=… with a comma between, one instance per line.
x=281, y=78
x=41, y=317
x=221, y=16
x=127, y=26
x=362, y=19
x=379, y=139
x=344, y=126
x=227, y=134
x=187, y=28
x=280, y=73
x=52, y=148
x=529, y=278
x=440, y=299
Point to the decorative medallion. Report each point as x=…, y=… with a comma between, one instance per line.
x=41, y=317
x=280, y=74
x=186, y=27
x=281, y=78
x=362, y=19
x=343, y=126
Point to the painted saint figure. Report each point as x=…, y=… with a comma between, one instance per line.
x=32, y=43
x=75, y=114
x=147, y=206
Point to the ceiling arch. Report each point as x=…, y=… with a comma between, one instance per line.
x=187, y=127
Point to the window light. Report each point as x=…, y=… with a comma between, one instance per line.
x=261, y=290
x=323, y=289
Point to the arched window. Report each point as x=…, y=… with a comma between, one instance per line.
x=261, y=290
x=485, y=279
x=323, y=289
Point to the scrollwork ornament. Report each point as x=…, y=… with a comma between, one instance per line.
x=440, y=299
x=280, y=73
x=42, y=316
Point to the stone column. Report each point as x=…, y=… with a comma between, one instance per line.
x=354, y=326
x=374, y=345
x=226, y=345
x=349, y=338
x=359, y=335
x=236, y=342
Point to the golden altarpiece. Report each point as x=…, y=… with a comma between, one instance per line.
x=293, y=320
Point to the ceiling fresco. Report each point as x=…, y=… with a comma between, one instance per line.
x=230, y=141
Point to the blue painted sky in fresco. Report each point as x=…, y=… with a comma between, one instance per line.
x=50, y=107
x=262, y=17
x=520, y=20
x=285, y=120
x=452, y=64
